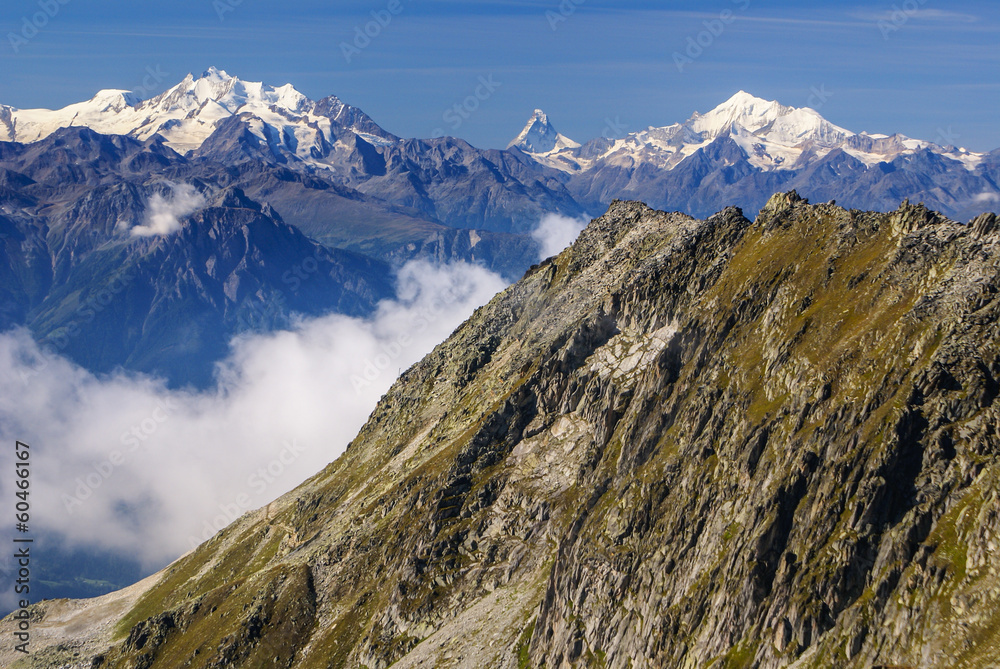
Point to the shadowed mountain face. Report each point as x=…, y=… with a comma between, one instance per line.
x=86, y=287
x=89, y=289
x=721, y=171
x=680, y=442
x=67, y=164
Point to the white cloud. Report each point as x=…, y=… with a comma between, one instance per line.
x=899, y=16
x=944, y=15
x=555, y=232
x=124, y=464
x=986, y=198
x=164, y=213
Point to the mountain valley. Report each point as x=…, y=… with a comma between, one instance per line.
x=688, y=442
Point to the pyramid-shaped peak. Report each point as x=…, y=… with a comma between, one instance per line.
x=539, y=136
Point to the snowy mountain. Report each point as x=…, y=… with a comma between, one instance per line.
x=738, y=153
x=771, y=135
x=221, y=119
x=747, y=148
x=187, y=114
x=540, y=137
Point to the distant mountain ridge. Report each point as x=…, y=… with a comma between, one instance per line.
x=222, y=119
x=187, y=114
x=737, y=153
x=747, y=148
x=168, y=304
x=72, y=175
x=773, y=136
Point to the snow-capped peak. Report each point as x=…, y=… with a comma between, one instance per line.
x=768, y=119
x=773, y=136
x=232, y=93
x=188, y=113
x=539, y=137
x=743, y=109
x=216, y=74
x=113, y=99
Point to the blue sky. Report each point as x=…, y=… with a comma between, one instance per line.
x=925, y=68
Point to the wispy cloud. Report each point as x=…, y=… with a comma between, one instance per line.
x=164, y=213
x=935, y=15
x=986, y=198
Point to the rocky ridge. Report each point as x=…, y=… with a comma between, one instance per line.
x=678, y=443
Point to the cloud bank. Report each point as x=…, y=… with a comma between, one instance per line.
x=555, y=232
x=121, y=463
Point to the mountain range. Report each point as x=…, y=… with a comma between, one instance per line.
x=222, y=119
x=747, y=148
x=257, y=182
x=738, y=153
x=679, y=442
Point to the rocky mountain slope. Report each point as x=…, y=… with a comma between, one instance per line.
x=678, y=443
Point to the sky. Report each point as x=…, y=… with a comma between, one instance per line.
x=925, y=68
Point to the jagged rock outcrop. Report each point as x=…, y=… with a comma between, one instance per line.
x=679, y=443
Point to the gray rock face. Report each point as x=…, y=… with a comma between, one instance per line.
x=679, y=443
